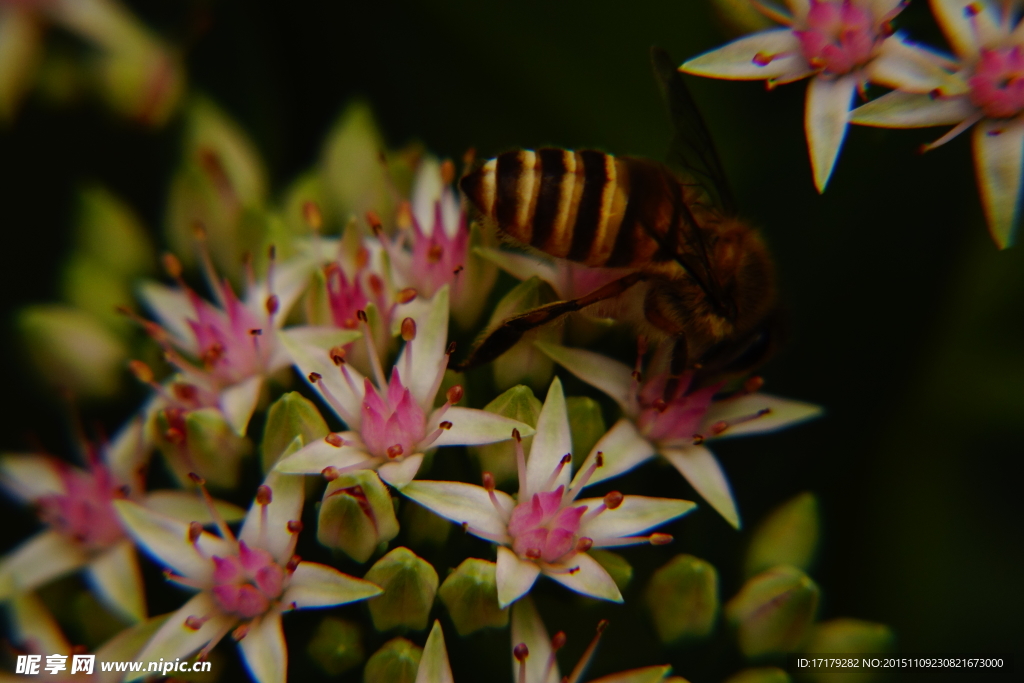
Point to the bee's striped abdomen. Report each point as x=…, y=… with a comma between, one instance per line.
x=567, y=204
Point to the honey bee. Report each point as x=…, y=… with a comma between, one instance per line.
x=696, y=274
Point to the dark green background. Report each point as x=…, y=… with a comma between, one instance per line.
x=908, y=324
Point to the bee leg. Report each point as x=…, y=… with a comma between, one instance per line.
x=676, y=367
x=505, y=336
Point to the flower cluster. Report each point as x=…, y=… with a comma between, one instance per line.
x=842, y=45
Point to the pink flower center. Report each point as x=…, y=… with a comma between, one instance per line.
x=997, y=86
x=543, y=528
x=232, y=344
x=677, y=416
x=839, y=36
x=393, y=423
x=245, y=584
x=84, y=512
x=345, y=297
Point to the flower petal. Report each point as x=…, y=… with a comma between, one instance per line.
x=166, y=539
x=472, y=427
x=172, y=309
x=315, y=456
x=32, y=623
x=590, y=579
x=176, y=640
x=268, y=528
x=514, y=576
x=116, y=577
x=264, y=650
x=125, y=645
x=399, y=474
x=427, y=350
x=132, y=444
x=608, y=375
x=998, y=153
x=462, y=503
x=434, y=665
x=238, y=402
x=736, y=60
x=635, y=515
x=966, y=33
x=528, y=628
x=189, y=507
x=622, y=448
x=317, y=585
x=310, y=358
x=700, y=467
x=321, y=336
x=551, y=442
x=783, y=413
x=30, y=477
x=290, y=281
x=912, y=110
x=38, y=560
x=913, y=68
x=826, y=116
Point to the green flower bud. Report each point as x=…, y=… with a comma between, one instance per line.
x=337, y=646
x=409, y=584
x=683, y=598
x=292, y=415
x=766, y=674
x=300, y=219
x=499, y=459
x=357, y=515
x=774, y=611
x=616, y=565
x=203, y=442
x=71, y=349
x=848, y=636
x=586, y=424
x=109, y=232
x=397, y=661
x=789, y=535
x=355, y=180
x=524, y=364
x=470, y=594
x=92, y=287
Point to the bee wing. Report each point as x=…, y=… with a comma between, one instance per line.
x=692, y=149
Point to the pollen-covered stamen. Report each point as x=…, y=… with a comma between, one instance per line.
x=371, y=349
x=182, y=580
x=612, y=500
x=209, y=272
x=565, y=460
x=557, y=643
x=432, y=437
x=318, y=379
x=335, y=440
x=222, y=526
x=194, y=623
x=489, y=484
x=719, y=428
x=653, y=539
x=294, y=527
x=571, y=493
x=521, y=653
x=264, y=496
x=520, y=464
x=408, y=334
x=766, y=58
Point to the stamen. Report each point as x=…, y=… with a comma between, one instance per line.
x=570, y=495
x=242, y=631
x=337, y=354
x=195, y=623
x=566, y=459
x=557, y=643
x=222, y=526
x=271, y=267
x=612, y=500
x=521, y=653
x=311, y=213
x=653, y=539
x=207, y=263
x=405, y=296
x=395, y=451
x=330, y=473
x=520, y=464
x=371, y=348
x=719, y=427
x=753, y=384
x=408, y=334
x=584, y=661
x=335, y=440
x=317, y=379
x=584, y=544
x=432, y=437
x=263, y=498
x=489, y=485
x=294, y=527
x=195, y=530
x=182, y=580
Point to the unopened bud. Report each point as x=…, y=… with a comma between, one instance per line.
x=398, y=661
x=337, y=646
x=408, y=329
x=788, y=535
x=470, y=594
x=356, y=515
x=409, y=583
x=773, y=611
x=293, y=420
x=683, y=598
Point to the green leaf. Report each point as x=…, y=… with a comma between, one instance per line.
x=789, y=535
x=683, y=598
x=409, y=584
x=470, y=593
x=292, y=415
x=773, y=611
